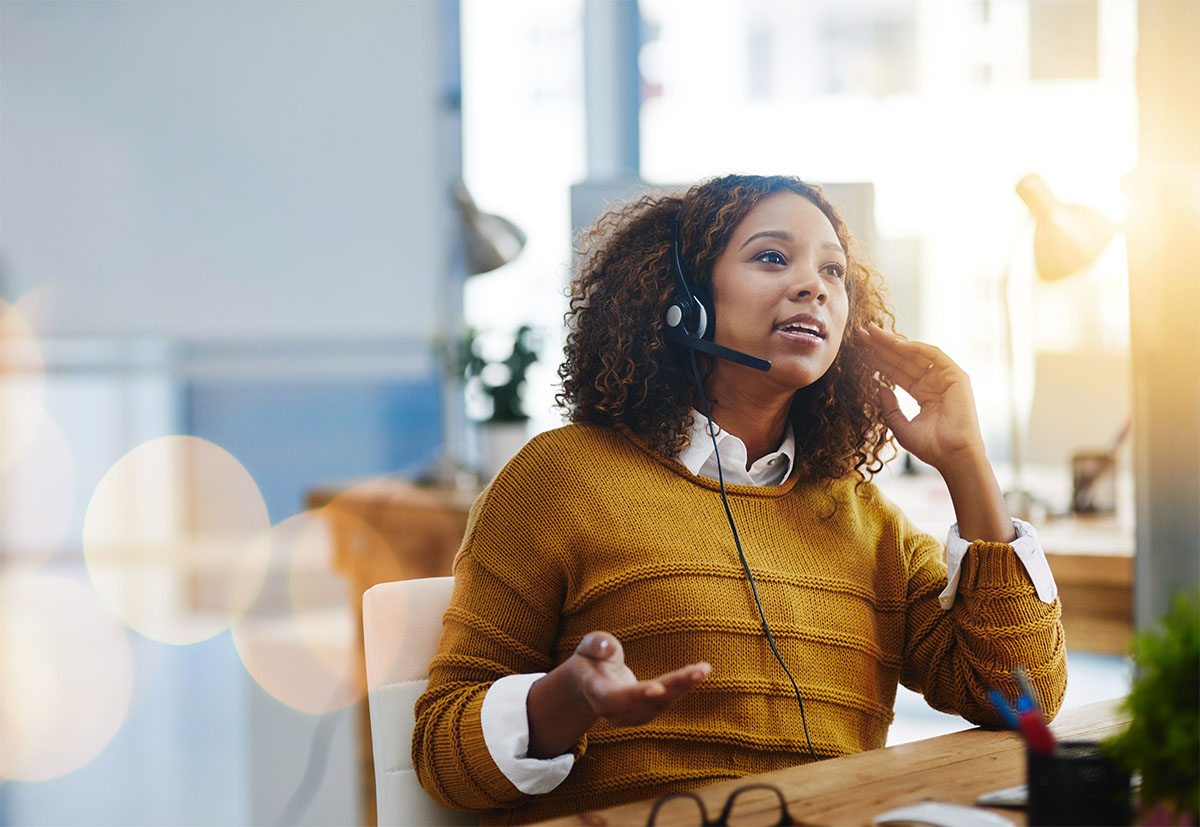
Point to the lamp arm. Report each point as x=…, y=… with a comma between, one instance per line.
x=1010, y=363
x=1020, y=501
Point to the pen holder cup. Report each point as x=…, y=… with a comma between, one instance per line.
x=1077, y=785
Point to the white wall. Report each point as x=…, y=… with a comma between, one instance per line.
x=209, y=210
x=222, y=170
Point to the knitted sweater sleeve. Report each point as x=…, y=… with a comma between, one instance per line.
x=996, y=623
x=502, y=620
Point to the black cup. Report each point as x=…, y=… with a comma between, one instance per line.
x=1077, y=785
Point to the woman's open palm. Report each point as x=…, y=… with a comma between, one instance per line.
x=615, y=693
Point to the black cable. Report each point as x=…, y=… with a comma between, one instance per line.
x=742, y=555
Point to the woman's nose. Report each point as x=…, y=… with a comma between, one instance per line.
x=808, y=285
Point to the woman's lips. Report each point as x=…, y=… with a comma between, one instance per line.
x=802, y=328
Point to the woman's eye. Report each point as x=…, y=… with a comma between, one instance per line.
x=836, y=270
x=771, y=257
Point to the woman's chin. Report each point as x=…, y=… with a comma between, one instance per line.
x=796, y=374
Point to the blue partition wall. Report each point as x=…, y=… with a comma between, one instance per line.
x=294, y=435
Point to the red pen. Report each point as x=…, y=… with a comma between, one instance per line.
x=1036, y=732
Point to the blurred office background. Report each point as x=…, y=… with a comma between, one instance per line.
x=233, y=272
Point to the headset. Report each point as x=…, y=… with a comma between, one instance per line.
x=689, y=319
x=689, y=316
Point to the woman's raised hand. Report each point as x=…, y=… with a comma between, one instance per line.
x=945, y=434
x=612, y=690
x=946, y=429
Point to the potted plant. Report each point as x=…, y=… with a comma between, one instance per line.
x=1162, y=742
x=501, y=381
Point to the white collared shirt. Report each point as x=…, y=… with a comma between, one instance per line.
x=700, y=458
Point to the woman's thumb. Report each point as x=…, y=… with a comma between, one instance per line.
x=600, y=646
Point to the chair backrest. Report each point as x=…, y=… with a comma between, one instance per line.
x=402, y=623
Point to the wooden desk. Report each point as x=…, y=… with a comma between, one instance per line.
x=852, y=790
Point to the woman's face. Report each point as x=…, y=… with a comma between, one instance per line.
x=779, y=292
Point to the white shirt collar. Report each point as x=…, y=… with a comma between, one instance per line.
x=699, y=457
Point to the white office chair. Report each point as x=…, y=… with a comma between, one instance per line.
x=402, y=623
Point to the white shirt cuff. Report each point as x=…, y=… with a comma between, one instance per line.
x=506, y=732
x=1028, y=550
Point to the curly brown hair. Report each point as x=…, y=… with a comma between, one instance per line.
x=620, y=370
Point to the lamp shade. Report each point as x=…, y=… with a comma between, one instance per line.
x=492, y=241
x=1068, y=237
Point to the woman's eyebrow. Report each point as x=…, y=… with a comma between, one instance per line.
x=780, y=234
x=783, y=235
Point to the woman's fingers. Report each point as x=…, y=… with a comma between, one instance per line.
x=683, y=680
x=881, y=338
x=666, y=689
x=913, y=365
x=892, y=415
x=659, y=694
x=630, y=702
x=911, y=359
x=904, y=369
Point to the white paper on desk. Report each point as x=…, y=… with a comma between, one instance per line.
x=941, y=814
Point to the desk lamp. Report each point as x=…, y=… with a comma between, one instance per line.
x=1067, y=239
x=491, y=240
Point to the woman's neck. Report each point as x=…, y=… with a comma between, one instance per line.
x=758, y=422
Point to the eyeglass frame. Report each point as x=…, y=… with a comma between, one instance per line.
x=722, y=820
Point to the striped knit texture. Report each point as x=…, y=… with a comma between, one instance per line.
x=587, y=529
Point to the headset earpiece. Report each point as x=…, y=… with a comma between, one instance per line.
x=690, y=311
x=674, y=315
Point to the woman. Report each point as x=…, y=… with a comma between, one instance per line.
x=608, y=635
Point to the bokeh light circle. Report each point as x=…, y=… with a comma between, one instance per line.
x=172, y=539
x=300, y=644
x=66, y=676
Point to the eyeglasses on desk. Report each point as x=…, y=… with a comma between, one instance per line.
x=731, y=815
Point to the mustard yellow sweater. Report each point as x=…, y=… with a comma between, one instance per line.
x=589, y=529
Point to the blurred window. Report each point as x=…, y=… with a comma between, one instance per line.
x=523, y=148
x=942, y=107
x=1063, y=39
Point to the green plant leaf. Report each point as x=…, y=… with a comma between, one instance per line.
x=1163, y=739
